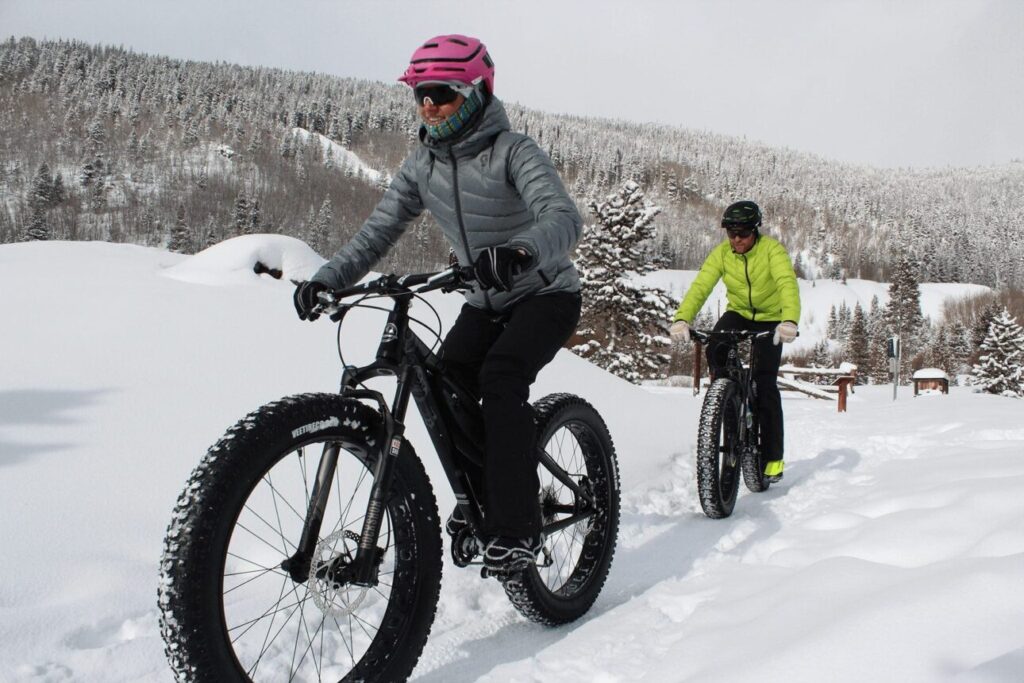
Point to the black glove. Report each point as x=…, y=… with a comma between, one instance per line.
x=496, y=267
x=305, y=298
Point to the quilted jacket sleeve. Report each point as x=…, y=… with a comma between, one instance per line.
x=711, y=272
x=558, y=224
x=785, y=281
x=399, y=206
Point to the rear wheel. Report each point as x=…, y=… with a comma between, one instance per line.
x=231, y=611
x=577, y=555
x=753, y=464
x=718, y=449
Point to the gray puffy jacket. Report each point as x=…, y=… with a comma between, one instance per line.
x=490, y=187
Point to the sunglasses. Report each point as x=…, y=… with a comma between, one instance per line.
x=739, y=233
x=439, y=94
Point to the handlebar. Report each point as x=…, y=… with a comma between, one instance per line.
x=704, y=336
x=456, y=277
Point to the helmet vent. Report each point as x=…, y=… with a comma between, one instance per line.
x=459, y=42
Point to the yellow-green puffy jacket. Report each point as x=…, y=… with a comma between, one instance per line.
x=760, y=285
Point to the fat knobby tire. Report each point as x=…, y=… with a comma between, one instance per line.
x=527, y=590
x=717, y=479
x=753, y=465
x=192, y=566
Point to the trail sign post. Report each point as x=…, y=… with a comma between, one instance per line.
x=894, y=362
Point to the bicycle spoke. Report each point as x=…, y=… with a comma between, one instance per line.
x=248, y=581
x=270, y=526
x=264, y=645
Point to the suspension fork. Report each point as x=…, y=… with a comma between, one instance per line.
x=363, y=570
x=298, y=564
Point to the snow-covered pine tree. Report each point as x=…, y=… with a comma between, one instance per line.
x=37, y=230
x=1000, y=368
x=255, y=216
x=41, y=189
x=316, y=230
x=325, y=220
x=821, y=357
x=181, y=235
x=959, y=339
x=623, y=321
x=857, y=344
x=242, y=209
x=903, y=314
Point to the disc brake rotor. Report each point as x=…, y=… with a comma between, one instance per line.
x=331, y=595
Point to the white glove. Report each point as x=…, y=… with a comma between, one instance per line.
x=784, y=332
x=679, y=331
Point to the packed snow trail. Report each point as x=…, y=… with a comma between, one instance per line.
x=891, y=551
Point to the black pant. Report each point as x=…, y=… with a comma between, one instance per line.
x=497, y=357
x=767, y=357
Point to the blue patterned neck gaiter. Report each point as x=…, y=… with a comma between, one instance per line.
x=457, y=121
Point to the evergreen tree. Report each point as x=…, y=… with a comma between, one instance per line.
x=623, y=322
x=980, y=328
x=209, y=237
x=1000, y=368
x=322, y=227
x=821, y=357
x=878, y=359
x=316, y=232
x=959, y=341
x=242, y=214
x=181, y=237
x=41, y=190
x=59, y=194
x=857, y=344
x=96, y=135
x=38, y=229
x=903, y=314
x=255, y=216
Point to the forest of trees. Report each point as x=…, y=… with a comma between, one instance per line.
x=100, y=143
x=104, y=143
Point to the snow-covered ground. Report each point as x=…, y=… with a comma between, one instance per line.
x=892, y=551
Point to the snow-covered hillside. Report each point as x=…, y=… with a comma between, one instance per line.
x=892, y=551
x=345, y=158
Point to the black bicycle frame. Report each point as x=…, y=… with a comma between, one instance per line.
x=453, y=420
x=741, y=374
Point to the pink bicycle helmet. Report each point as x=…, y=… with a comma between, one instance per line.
x=451, y=58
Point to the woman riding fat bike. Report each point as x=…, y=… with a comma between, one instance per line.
x=503, y=209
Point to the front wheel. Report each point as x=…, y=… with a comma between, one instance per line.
x=577, y=555
x=234, y=607
x=719, y=450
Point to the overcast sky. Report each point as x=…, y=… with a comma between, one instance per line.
x=884, y=83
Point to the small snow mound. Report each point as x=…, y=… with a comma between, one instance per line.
x=930, y=373
x=234, y=261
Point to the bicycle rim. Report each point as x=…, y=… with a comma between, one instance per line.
x=318, y=629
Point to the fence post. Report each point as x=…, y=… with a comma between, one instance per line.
x=844, y=383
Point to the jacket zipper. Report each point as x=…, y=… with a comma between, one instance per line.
x=458, y=217
x=750, y=287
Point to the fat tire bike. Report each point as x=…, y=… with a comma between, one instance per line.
x=728, y=434
x=306, y=545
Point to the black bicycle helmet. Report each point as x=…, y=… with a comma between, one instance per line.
x=744, y=214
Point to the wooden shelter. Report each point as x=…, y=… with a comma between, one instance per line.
x=930, y=381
